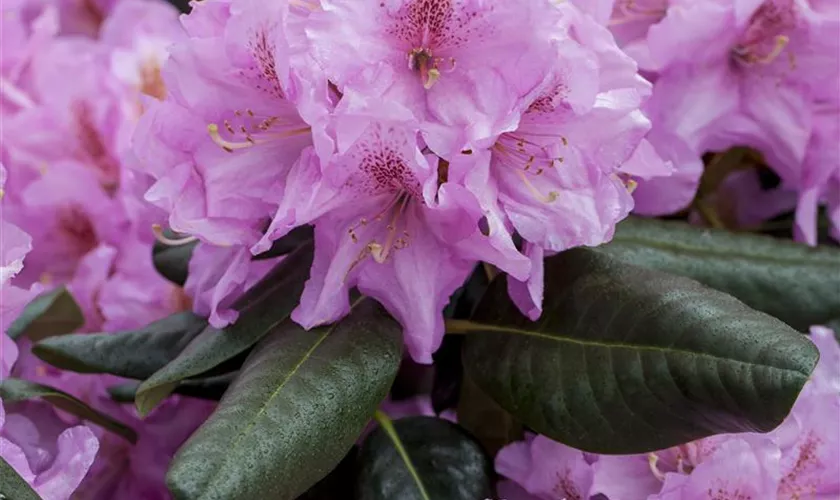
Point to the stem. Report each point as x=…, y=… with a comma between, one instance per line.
x=490, y=271
x=385, y=422
x=709, y=214
x=461, y=326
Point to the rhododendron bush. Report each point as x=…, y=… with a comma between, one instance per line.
x=420, y=249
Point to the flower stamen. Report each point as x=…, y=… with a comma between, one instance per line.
x=746, y=53
x=628, y=11
x=158, y=232
x=653, y=460
x=421, y=60
x=251, y=126
x=550, y=198
x=14, y=94
x=228, y=146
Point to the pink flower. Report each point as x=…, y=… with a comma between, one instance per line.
x=432, y=144
x=388, y=220
x=82, y=17
x=556, y=172
x=141, y=32
x=14, y=246
x=221, y=144
x=68, y=216
x=819, y=181
x=123, y=470
x=743, y=467
x=545, y=469
x=386, y=237
x=47, y=453
x=218, y=276
x=563, y=175
x=24, y=29
x=460, y=67
x=132, y=293
x=761, y=74
x=83, y=119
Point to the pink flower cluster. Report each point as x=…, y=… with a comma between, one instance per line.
x=72, y=83
x=755, y=73
x=797, y=461
x=417, y=136
x=50, y=455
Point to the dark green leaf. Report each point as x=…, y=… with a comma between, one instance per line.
x=721, y=165
x=423, y=458
x=492, y=426
x=792, y=282
x=412, y=379
x=463, y=301
x=173, y=262
x=342, y=479
x=135, y=354
x=299, y=403
x=13, y=390
x=124, y=393
x=212, y=388
x=51, y=313
x=262, y=308
x=448, y=373
x=12, y=486
x=626, y=359
x=296, y=238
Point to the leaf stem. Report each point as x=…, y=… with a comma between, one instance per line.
x=709, y=214
x=461, y=326
x=385, y=422
x=490, y=271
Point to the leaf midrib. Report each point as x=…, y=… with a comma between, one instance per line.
x=264, y=406
x=192, y=372
x=620, y=345
x=390, y=431
x=725, y=254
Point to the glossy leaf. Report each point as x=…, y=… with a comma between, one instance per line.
x=342, y=478
x=793, y=282
x=448, y=373
x=12, y=486
x=210, y=388
x=262, y=308
x=13, y=389
x=173, y=262
x=627, y=360
x=423, y=458
x=51, y=313
x=135, y=354
x=300, y=401
x=491, y=426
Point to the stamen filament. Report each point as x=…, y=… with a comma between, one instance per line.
x=305, y=4
x=228, y=146
x=11, y=92
x=653, y=459
x=552, y=195
x=781, y=43
x=380, y=252
x=158, y=231
x=431, y=78
x=744, y=52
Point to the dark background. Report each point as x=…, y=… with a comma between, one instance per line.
x=182, y=5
